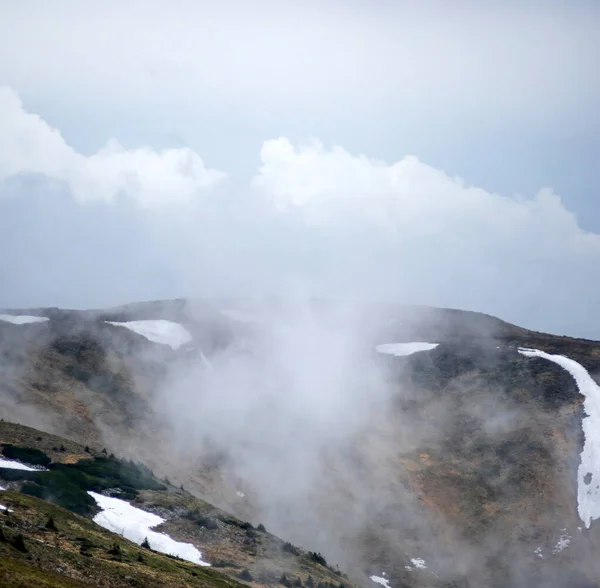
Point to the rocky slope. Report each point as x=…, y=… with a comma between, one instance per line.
x=462, y=472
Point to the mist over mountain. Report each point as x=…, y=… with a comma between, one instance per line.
x=413, y=445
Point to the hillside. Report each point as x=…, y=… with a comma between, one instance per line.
x=454, y=465
x=84, y=551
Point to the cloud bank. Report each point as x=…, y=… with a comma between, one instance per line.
x=94, y=229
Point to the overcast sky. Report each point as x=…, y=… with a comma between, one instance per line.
x=435, y=152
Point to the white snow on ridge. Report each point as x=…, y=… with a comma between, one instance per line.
x=379, y=580
x=136, y=525
x=158, y=331
x=22, y=319
x=10, y=464
x=588, y=475
x=402, y=349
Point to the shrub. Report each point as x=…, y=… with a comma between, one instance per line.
x=261, y=528
x=26, y=454
x=115, y=550
x=245, y=575
x=50, y=524
x=317, y=558
x=146, y=543
x=310, y=582
x=140, y=557
x=289, y=548
x=285, y=582
x=19, y=543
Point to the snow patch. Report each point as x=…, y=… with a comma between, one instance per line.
x=11, y=464
x=419, y=563
x=240, y=494
x=588, y=495
x=135, y=524
x=22, y=319
x=2, y=507
x=563, y=543
x=380, y=580
x=539, y=553
x=158, y=331
x=402, y=349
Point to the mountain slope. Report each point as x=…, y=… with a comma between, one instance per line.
x=460, y=470
x=232, y=546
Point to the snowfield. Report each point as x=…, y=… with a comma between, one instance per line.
x=136, y=525
x=158, y=331
x=402, y=349
x=22, y=319
x=588, y=475
x=10, y=464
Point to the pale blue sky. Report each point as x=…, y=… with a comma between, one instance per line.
x=503, y=95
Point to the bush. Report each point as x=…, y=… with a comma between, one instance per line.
x=245, y=575
x=310, y=582
x=261, y=528
x=317, y=558
x=289, y=548
x=285, y=582
x=19, y=543
x=146, y=543
x=202, y=521
x=50, y=524
x=27, y=455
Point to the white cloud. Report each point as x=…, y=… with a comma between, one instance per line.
x=340, y=224
x=29, y=145
x=409, y=231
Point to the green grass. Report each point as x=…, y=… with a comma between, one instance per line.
x=80, y=553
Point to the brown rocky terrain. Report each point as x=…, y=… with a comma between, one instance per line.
x=469, y=465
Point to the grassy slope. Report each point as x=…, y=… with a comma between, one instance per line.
x=229, y=543
x=77, y=553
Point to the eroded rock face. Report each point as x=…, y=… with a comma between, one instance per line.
x=468, y=464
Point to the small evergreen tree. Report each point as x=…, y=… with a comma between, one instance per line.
x=140, y=557
x=50, y=524
x=261, y=528
x=145, y=543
